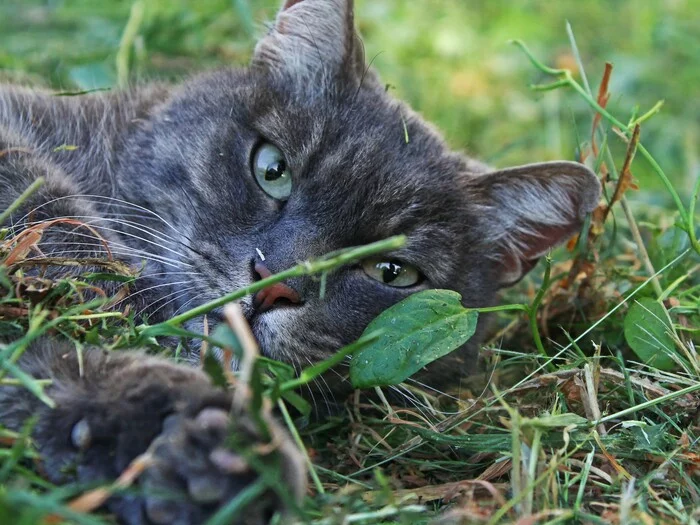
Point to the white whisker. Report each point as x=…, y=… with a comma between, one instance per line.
x=113, y=202
x=139, y=292
x=177, y=294
x=134, y=252
x=428, y=387
x=182, y=308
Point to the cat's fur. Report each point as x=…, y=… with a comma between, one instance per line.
x=163, y=174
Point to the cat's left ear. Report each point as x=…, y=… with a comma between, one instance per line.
x=526, y=211
x=311, y=38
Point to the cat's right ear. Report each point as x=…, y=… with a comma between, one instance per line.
x=311, y=38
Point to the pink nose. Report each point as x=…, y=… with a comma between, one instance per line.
x=267, y=297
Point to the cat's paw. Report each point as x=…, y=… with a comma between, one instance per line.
x=193, y=474
x=128, y=404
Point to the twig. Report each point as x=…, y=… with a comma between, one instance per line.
x=234, y=316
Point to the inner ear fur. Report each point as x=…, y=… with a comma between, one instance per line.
x=528, y=210
x=310, y=38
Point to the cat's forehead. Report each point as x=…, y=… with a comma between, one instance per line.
x=367, y=157
x=364, y=130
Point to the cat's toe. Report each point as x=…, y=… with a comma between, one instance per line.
x=193, y=472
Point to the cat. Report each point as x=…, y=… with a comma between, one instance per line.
x=227, y=178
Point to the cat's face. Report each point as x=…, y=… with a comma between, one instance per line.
x=304, y=153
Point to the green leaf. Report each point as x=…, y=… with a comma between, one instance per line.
x=213, y=368
x=111, y=277
x=298, y=402
x=650, y=438
x=556, y=421
x=648, y=333
x=225, y=336
x=414, y=333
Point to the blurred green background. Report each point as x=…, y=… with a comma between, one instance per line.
x=449, y=58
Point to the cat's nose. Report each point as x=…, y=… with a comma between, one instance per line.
x=277, y=294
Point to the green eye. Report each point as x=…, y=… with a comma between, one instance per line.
x=392, y=273
x=271, y=171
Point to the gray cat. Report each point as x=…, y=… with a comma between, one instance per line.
x=227, y=178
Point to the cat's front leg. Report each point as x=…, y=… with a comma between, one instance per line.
x=126, y=404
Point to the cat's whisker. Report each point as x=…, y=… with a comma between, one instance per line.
x=319, y=386
x=154, y=287
x=313, y=397
x=412, y=400
x=112, y=202
x=185, y=305
x=160, y=274
x=343, y=378
x=131, y=224
x=94, y=221
x=175, y=296
x=417, y=402
x=433, y=389
x=131, y=251
x=120, y=232
x=296, y=366
x=133, y=254
x=98, y=226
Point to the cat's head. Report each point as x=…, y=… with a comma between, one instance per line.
x=304, y=152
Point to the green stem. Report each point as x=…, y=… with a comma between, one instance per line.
x=502, y=308
x=300, y=444
x=568, y=79
x=532, y=313
x=309, y=374
x=127, y=42
x=631, y=410
x=21, y=199
x=642, y=150
x=238, y=504
x=653, y=111
x=324, y=264
x=691, y=215
x=532, y=468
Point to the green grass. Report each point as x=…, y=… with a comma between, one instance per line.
x=569, y=424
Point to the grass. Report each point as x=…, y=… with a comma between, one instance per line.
x=575, y=420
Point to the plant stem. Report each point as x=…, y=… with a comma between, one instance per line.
x=21, y=199
x=566, y=78
x=532, y=313
x=309, y=374
x=323, y=264
x=502, y=308
x=127, y=42
x=300, y=444
x=691, y=215
x=631, y=410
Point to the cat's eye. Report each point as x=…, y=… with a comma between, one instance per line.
x=392, y=272
x=272, y=172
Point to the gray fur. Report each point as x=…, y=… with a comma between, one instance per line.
x=163, y=174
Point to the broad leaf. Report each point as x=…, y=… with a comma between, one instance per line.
x=648, y=332
x=413, y=333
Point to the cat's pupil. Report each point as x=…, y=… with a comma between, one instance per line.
x=275, y=170
x=390, y=271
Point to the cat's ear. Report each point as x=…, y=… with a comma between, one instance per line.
x=311, y=37
x=526, y=211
